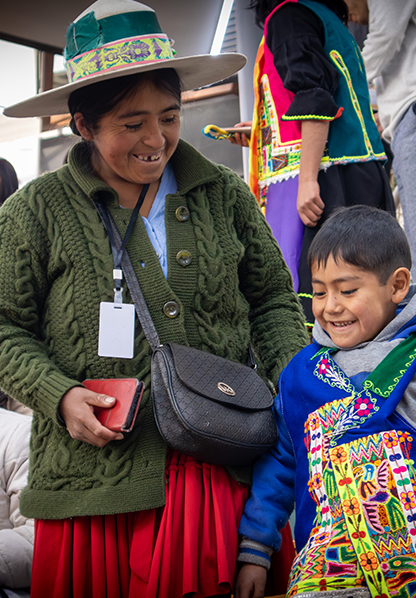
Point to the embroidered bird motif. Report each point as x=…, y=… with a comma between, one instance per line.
x=377, y=501
x=372, y=481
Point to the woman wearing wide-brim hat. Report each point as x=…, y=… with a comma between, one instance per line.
x=124, y=514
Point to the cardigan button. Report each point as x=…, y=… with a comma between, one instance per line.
x=184, y=257
x=171, y=309
x=182, y=213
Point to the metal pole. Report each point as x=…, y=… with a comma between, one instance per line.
x=248, y=39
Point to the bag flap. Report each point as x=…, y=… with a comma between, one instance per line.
x=220, y=379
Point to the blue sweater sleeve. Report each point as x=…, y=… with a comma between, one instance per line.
x=272, y=495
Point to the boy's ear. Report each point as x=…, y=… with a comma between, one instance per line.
x=401, y=282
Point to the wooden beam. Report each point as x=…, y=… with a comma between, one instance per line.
x=56, y=122
x=210, y=92
x=14, y=39
x=45, y=80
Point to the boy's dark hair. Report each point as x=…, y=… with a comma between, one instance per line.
x=365, y=237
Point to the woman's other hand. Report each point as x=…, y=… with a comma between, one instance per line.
x=309, y=203
x=77, y=410
x=241, y=139
x=251, y=581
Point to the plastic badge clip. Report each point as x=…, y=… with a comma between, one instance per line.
x=118, y=289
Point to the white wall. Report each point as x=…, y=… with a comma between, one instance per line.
x=19, y=143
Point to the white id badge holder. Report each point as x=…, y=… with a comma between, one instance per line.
x=116, y=330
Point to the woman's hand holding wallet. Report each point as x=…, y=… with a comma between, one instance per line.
x=77, y=410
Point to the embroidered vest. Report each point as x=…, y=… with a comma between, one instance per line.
x=276, y=143
x=355, y=476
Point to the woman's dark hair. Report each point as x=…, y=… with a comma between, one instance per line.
x=98, y=99
x=8, y=180
x=264, y=7
x=363, y=236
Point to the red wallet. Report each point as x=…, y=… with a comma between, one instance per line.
x=127, y=393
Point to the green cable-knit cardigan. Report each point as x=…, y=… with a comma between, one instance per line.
x=55, y=269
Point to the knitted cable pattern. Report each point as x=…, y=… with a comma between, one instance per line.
x=211, y=283
x=56, y=267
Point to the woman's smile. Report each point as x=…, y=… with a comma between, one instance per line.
x=149, y=158
x=135, y=141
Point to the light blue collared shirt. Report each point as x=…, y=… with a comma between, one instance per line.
x=155, y=222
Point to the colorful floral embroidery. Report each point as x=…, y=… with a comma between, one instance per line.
x=317, y=480
x=405, y=442
x=408, y=500
x=276, y=160
x=330, y=373
x=390, y=439
x=360, y=405
x=338, y=455
x=111, y=57
x=364, y=534
x=369, y=561
x=363, y=406
x=314, y=422
x=351, y=507
x=324, y=366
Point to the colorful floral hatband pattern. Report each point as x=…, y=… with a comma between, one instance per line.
x=113, y=56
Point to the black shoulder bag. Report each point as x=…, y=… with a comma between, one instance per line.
x=211, y=408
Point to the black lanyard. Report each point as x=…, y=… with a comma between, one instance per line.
x=118, y=254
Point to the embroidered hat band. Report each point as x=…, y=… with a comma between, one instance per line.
x=98, y=46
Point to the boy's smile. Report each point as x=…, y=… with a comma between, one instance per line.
x=351, y=304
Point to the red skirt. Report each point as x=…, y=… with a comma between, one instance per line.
x=189, y=546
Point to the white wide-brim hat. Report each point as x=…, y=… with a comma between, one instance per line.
x=118, y=38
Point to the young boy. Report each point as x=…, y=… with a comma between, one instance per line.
x=346, y=412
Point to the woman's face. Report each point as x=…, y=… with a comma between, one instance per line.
x=135, y=141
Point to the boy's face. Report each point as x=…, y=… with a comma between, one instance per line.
x=349, y=303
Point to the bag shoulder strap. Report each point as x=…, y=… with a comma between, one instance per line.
x=131, y=279
x=142, y=310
